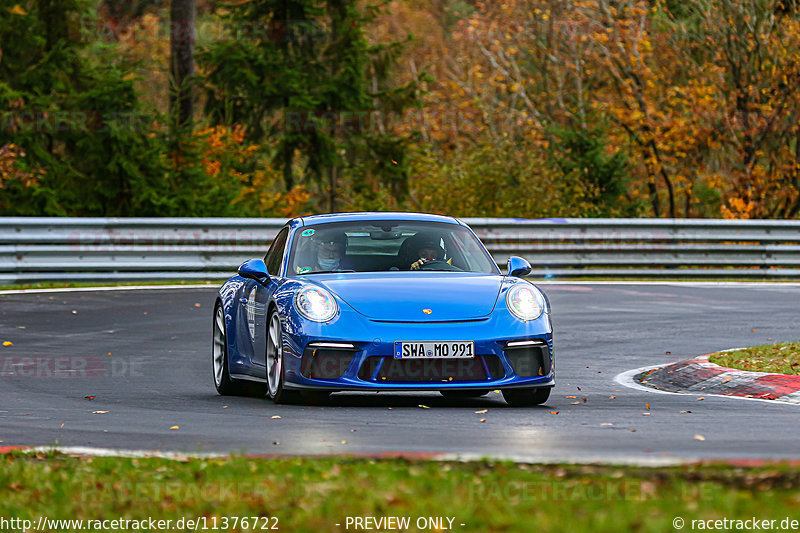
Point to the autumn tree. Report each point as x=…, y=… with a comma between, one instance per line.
x=754, y=45
x=308, y=86
x=183, y=14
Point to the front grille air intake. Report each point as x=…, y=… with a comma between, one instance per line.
x=529, y=360
x=326, y=360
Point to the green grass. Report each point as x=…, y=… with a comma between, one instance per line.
x=314, y=494
x=783, y=358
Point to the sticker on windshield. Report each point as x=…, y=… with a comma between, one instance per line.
x=307, y=233
x=303, y=270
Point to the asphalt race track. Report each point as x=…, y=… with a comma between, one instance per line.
x=145, y=357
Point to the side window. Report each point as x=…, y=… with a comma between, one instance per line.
x=275, y=253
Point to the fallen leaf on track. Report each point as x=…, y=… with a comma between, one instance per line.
x=568, y=397
x=685, y=412
x=8, y=343
x=276, y=416
x=699, y=437
x=553, y=412
x=88, y=397
x=727, y=379
x=483, y=420
x=585, y=400
x=423, y=406
x=197, y=305
x=99, y=412
x=612, y=397
x=344, y=442
x=481, y=411
x=175, y=427
x=646, y=414
x=576, y=403
x=580, y=389
x=700, y=399
x=606, y=424
x=275, y=442
x=647, y=405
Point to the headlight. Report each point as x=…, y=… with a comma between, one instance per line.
x=315, y=303
x=525, y=301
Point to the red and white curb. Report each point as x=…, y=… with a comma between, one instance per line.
x=699, y=376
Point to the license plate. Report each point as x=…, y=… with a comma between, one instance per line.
x=434, y=350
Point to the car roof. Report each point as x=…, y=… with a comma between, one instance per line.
x=375, y=215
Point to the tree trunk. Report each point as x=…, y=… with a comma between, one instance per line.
x=332, y=198
x=288, y=171
x=651, y=186
x=182, y=24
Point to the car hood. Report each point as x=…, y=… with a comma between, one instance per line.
x=403, y=296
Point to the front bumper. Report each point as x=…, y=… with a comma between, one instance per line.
x=356, y=354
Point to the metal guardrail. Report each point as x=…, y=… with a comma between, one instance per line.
x=130, y=249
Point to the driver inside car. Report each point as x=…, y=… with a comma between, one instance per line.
x=423, y=250
x=329, y=254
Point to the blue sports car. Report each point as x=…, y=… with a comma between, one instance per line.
x=381, y=302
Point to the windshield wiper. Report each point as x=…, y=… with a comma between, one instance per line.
x=326, y=272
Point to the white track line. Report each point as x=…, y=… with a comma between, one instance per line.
x=597, y=460
x=110, y=288
x=768, y=283
x=626, y=379
x=708, y=284
x=459, y=457
x=111, y=452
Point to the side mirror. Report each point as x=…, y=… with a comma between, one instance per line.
x=518, y=267
x=254, y=269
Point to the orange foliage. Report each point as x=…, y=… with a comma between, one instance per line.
x=706, y=107
x=10, y=155
x=223, y=144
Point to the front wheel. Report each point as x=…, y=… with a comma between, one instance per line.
x=223, y=382
x=526, y=397
x=276, y=372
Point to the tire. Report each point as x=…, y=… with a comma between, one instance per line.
x=223, y=382
x=463, y=393
x=526, y=397
x=276, y=371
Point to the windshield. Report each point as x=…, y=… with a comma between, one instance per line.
x=376, y=246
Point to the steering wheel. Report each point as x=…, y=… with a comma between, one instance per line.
x=438, y=265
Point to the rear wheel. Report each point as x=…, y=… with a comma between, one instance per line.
x=276, y=372
x=223, y=382
x=526, y=397
x=463, y=393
